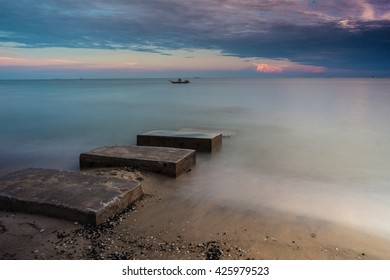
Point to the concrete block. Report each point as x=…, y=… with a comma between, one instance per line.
x=69, y=195
x=168, y=161
x=199, y=141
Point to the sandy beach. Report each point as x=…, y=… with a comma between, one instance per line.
x=164, y=225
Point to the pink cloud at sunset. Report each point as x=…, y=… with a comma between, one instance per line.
x=267, y=68
x=287, y=67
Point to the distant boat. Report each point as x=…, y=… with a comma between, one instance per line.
x=180, y=81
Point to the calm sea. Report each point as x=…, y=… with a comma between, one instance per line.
x=308, y=147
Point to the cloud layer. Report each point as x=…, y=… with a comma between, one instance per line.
x=343, y=34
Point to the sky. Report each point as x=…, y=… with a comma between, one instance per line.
x=198, y=38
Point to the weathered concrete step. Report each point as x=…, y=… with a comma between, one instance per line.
x=199, y=141
x=167, y=161
x=69, y=195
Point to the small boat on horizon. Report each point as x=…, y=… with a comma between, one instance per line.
x=180, y=81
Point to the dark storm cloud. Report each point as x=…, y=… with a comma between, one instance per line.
x=348, y=34
x=326, y=45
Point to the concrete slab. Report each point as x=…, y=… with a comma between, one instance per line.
x=69, y=195
x=168, y=161
x=199, y=141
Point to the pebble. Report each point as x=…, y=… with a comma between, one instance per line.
x=98, y=243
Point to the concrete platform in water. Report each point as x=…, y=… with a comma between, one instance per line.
x=168, y=161
x=69, y=195
x=199, y=141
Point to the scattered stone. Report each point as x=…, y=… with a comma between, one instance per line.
x=213, y=252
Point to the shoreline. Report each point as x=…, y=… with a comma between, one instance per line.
x=165, y=226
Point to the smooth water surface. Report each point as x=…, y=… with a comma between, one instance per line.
x=310, y=147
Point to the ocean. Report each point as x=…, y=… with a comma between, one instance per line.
x=317, y=148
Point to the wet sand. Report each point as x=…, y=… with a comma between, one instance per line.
x=166, y=225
